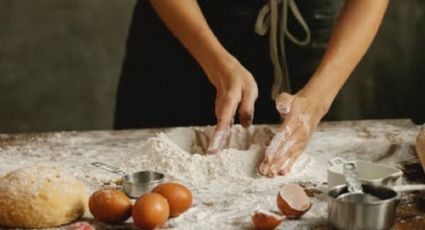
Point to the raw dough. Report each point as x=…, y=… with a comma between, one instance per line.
x=420, y=146
x=40, y=197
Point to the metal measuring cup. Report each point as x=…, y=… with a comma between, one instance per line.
x=356, y=206
x=135, y=184
x=354, y=215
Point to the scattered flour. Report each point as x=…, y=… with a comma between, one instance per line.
x=227, y=187
x=180, y=155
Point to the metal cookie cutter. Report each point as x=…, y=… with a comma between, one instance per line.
x=135, y=184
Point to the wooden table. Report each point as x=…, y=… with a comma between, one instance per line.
x=18, y=150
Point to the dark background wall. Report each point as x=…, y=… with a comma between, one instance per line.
x=60, y=62
x=390, y=80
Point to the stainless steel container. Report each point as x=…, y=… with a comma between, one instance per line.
x=135, y=184
x=362, y=215
x=139, y=183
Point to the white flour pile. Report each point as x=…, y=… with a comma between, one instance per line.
x=179, y=154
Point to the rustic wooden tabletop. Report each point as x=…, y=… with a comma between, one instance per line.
x=72, y=151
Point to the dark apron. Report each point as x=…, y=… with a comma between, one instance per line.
x=161, y=85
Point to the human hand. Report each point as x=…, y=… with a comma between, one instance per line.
x=236, y=89
x=301, y=116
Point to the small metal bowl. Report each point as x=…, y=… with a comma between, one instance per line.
x=139, y=183
x=135, y=184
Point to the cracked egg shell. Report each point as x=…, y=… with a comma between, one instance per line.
x=264, y=220
x=293, y=201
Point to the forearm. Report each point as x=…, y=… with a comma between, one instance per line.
x=186, y=21
x=353, y=33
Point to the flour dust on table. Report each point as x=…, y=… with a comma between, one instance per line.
x=180, y=154
x=226, y=187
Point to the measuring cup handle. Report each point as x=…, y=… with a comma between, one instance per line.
x=351, y=176
x=108, y=168
x=409, y=187
x=337, y=161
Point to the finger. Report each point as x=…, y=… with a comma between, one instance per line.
x=301, y=140
x=265, y=164
x=284, y=103
x=273, y=147
x=283, y=153
x=283, y=133
x=275, y=169
x=276, y=160
x=281, y=157
x=286, y=168
x=294, y=153
x=226, y=105
x=264, y=167
x=246, y=107
x=219, y=140
x=276, y=144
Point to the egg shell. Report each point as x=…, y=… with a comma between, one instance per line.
x=289, y=197
x=110, y=206
x=178, y=196
x=265, y=221
x=150, y=211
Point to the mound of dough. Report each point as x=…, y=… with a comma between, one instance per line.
x=40, y=197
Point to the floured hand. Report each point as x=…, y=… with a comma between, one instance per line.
x=236, y=91
x=301, y=116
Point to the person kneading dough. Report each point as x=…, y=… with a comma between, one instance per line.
x=215, y=61
x=40, y=197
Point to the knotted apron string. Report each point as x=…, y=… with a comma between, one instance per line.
x=273, y=18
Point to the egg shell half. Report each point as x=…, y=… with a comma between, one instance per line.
x=293, y=201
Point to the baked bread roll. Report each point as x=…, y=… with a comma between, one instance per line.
x=40, y=197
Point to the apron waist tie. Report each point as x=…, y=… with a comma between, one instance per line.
x=273, y=18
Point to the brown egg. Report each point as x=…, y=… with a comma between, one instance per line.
x=178, y=196
x=293, y=201
x=150, y=211
x=263, y=220
x=110, y=206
